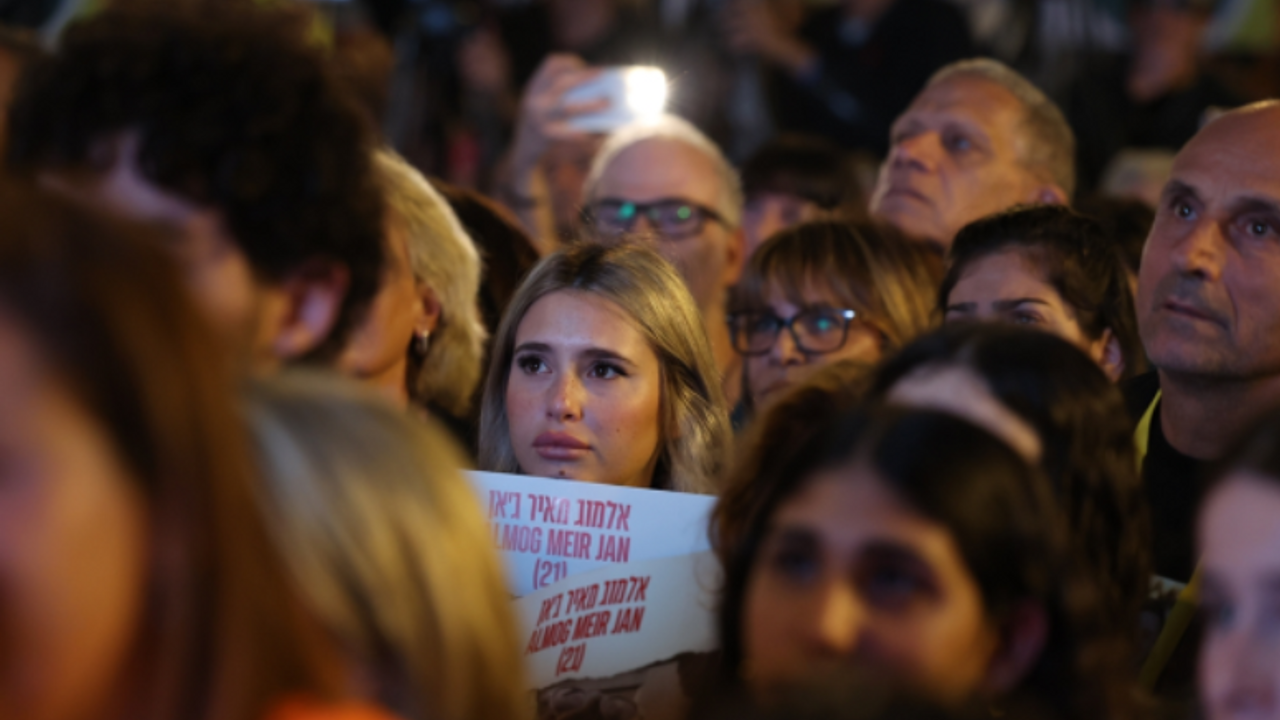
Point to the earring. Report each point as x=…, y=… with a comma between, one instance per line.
x=422, y=341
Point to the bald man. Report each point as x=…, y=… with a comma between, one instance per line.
x=1208, y=309
x=979, y=138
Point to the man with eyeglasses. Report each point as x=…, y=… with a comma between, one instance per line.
x=665, y=182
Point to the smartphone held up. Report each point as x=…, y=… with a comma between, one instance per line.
x=634, y=92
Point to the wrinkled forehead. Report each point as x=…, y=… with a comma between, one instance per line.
x=1234, y=157
x=969, y=100
x=660, y=168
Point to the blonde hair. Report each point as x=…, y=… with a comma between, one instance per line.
x=890, y=282
x=443, y=257
x=695, y=426
x=673, y=129
x=389, y=546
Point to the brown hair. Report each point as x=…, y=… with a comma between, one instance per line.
x=887, y=280
x=222, y=637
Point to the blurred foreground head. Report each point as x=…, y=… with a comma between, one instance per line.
x=386, y=539
x=136, y=577
x=979, y=138
x=911, y=543
x=1239, y=541
x=1046, y=399
x=223, y=119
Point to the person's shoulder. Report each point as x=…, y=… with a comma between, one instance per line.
x=1139, y=392
x=301, y=709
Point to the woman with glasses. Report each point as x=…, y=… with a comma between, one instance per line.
x=601, y=372
x=824, y=292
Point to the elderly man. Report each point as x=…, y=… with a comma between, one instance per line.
x=667, y=181
x=257, y=158
x=1209, y=314
x=978, y=139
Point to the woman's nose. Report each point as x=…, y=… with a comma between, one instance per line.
x=837, y=621
x=785, y=351
x=565, y=399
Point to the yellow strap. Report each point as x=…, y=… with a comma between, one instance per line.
x=1175, y=626
x=1142, y=435
x=1184, y=608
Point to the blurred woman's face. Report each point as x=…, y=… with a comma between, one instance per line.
x=73, y=547
x=1009, y=287
x=379, y=348
x=847, y=572
x=1240, y=595
x=786, y=363
x=584, y=393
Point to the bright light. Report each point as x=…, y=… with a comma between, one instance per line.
x=646, y=91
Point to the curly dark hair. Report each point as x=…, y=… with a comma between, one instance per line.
x=236, y=108
x=1073, y=255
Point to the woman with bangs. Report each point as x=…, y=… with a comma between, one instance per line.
x=841, y=292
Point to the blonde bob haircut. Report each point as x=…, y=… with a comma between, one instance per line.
x=891, y=283
x=443, y=257
x=695, y=426
x=388, y=544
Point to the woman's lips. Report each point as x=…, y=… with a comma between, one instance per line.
x=560, y=446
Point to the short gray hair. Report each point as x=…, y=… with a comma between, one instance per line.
x=443, y=257
x=1049, y=147
x=674, y=129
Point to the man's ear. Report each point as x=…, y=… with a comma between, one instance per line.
x=313, y=296
x=1108, y=353
x=735, y=257
x=1022, y=641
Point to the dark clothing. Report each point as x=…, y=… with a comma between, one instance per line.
x=866, y=76
x=1173, y=483
x=526, y=33
x=1107, y=121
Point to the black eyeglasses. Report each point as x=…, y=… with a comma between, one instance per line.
x=815, y=330
x=673, y=218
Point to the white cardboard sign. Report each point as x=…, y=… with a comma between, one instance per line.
x=619, y=619
x=548, y=530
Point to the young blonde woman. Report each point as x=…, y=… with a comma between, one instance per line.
x=386, y=541
x=602, y=372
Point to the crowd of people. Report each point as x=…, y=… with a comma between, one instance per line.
x=974, y=453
